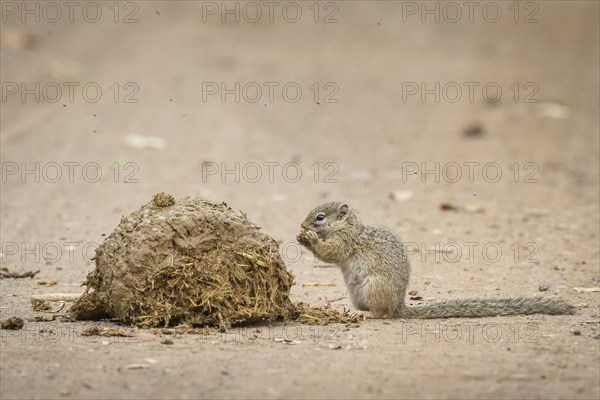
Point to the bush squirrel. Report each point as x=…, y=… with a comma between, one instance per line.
x=376, y=271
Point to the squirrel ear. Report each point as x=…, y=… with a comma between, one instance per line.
x=343, y=210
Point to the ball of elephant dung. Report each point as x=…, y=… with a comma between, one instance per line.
x=186, y=261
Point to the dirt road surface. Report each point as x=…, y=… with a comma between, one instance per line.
x=394, y=107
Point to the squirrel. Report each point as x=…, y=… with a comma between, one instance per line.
x=376, y=271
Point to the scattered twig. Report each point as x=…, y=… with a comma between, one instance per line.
x=5, y=273
x=47, y=283
x=56, y=296
x=582, y=289
x=319, y=284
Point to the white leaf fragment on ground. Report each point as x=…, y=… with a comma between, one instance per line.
x=473, y=209
x=401, y=195
x=553, y=110
x=145, y=142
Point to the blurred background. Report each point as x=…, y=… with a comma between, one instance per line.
x=445, y=121
x=171, y=96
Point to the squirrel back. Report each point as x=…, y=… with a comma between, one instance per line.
x=377, y=271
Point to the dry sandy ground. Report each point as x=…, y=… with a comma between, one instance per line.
x=541, y=212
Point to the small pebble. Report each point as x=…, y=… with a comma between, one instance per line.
x=448, y=207
x=474, y=130
x=543, y=288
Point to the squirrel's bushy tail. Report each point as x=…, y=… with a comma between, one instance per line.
x=474, y=308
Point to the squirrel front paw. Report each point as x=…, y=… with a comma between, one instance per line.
x=307, y=238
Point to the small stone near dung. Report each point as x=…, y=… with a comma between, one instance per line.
x=13, y=323
x=543, y=288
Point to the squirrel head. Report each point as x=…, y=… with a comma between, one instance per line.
x=330, y=217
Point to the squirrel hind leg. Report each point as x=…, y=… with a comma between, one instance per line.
x=362, y=314
x=382, y=304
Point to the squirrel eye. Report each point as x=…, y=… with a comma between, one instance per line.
x=320, y=217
